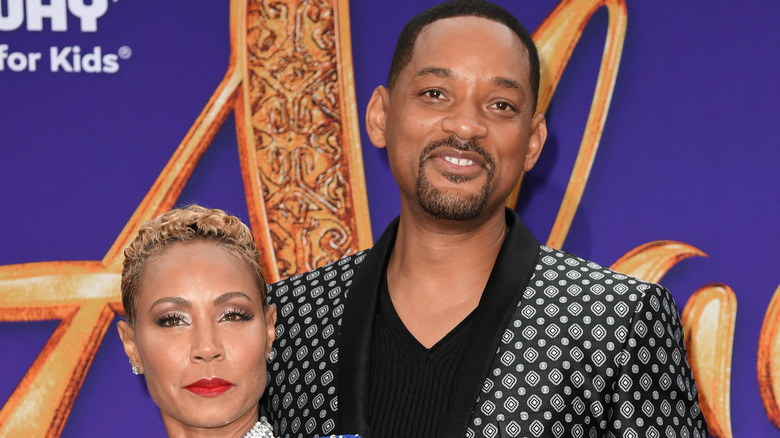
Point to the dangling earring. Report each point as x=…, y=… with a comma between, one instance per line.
x=134, y=368
x=271, y=355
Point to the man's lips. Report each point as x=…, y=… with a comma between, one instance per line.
x=458, y=158
x=209, y=387
x=458, y=161
x=461, y=165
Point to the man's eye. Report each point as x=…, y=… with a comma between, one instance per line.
x=503, y=106
x=433, y=94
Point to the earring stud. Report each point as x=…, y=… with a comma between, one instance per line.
x=135, y=369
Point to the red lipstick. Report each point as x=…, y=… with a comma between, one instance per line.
x=209, y=387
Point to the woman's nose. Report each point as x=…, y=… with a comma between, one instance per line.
x=206, y=344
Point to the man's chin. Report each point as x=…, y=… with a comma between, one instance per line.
x=464, y=201
x=452, y=208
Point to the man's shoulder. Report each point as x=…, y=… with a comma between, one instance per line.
x=336, y=274
x=562, y=274
x=565, y=268
x=582, y=337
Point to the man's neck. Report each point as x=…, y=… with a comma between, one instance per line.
x=438, y=271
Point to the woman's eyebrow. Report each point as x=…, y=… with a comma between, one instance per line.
x=229, y=296
x=172, y=300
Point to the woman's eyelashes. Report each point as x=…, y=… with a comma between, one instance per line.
x=176, y=319
x=170, y=319
x=237, y=315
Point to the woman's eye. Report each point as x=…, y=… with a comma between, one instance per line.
x=236, y=315
x=170, y=321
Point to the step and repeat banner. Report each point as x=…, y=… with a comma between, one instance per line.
x=111, y=111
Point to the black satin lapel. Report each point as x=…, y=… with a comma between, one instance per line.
x=515, y=264
x=357, y=325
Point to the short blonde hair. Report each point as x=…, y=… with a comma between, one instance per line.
x=183, y=225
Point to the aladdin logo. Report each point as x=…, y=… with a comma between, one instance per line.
x=56, y=11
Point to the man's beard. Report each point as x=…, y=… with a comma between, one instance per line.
x=453, y=206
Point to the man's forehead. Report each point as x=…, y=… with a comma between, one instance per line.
x=457, y=27
x=450, y=35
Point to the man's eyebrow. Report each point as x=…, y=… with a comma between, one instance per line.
x=508, y=83
x=435, y=71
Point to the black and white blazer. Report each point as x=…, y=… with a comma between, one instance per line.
x=560, y=347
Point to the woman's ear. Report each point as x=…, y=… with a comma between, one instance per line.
x=127, y=335
x=376, y=114
x=270, y=322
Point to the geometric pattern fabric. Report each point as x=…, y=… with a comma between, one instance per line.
x=588, y=353
x=592, y=353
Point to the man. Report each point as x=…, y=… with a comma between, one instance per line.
x=457, y=322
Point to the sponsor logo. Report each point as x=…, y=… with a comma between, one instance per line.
x=33, y=12
x=67, y=59
x=43, y=15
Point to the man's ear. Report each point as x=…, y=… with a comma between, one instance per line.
x=127, y=335
x=376, y=115
x=536, y=141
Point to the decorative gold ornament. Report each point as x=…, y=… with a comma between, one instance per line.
x=555, y=39
x=708, y=321
x=769, y=360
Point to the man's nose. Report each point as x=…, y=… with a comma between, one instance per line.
x=206, y=344
x=466, y=121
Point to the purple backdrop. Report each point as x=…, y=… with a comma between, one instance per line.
x=687, y=154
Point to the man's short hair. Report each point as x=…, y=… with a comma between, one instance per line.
x=404, y=48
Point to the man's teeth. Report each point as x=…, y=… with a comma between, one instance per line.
x=459, y=161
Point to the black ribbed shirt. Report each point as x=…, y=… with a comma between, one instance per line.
x=410, y=385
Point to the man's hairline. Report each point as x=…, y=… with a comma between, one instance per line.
x=424, y=28
x=514, y=34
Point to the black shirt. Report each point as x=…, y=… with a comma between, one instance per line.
x=410, y=385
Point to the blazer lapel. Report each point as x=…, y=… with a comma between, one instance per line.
x=511, y=273
x=514, y=265
x=357, y=326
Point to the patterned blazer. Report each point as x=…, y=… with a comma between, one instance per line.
x=560, y=347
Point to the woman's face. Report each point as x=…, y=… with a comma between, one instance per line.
x=201, y=337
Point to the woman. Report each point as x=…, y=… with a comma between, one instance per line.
x=198, y=326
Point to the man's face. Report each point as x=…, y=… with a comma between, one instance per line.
x=458, y=124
